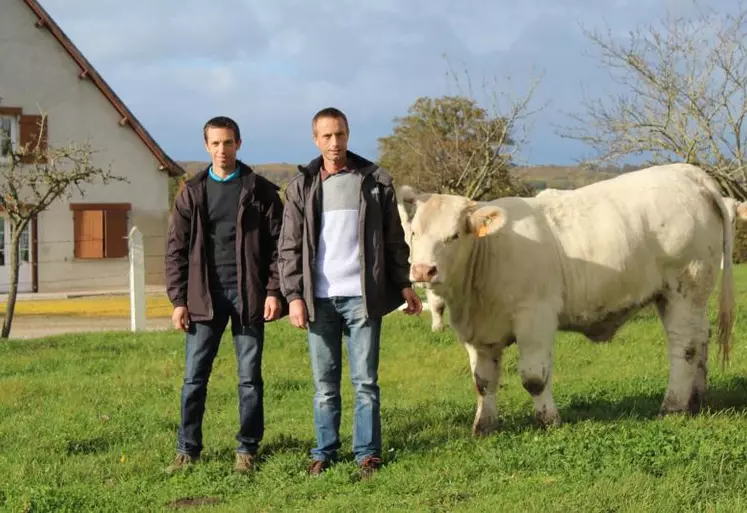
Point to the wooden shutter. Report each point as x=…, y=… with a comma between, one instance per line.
x=28, y=135
x=116, y=233
x=89, y=233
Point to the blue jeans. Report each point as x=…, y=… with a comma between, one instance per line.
x=334, y=317
x=203, y=340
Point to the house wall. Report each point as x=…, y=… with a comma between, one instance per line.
x=37, y=73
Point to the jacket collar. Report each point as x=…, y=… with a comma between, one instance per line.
x=247, y=177
x=200, y=177
x=355, y=162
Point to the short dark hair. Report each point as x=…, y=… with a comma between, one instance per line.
x=329, y=112
x=222, y=122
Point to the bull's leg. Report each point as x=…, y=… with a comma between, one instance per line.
x=485, y=362
x=700, y=386
x=535, y=336
x=686, y=327
x=437, y=307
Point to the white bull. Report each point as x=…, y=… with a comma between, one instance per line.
x=521, y=269
x=546, y=193
x=737, y=209
x=406, y=196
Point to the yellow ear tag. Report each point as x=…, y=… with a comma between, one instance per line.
x=482, y=231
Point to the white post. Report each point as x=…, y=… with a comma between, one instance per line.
x=137, y=280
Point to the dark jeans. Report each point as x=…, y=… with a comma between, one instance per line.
x=336, y=317
x=203, y=340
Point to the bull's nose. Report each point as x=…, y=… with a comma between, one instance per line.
x=423, y=273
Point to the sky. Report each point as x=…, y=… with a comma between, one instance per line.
x=271, y=64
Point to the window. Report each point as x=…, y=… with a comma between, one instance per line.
x=19, y=130
x=8, y=135
x=100, y=230
x=24, y=250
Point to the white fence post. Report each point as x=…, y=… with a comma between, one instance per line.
x=137, y=280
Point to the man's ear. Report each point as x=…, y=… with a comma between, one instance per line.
x=486, y=220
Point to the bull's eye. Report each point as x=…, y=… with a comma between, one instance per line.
x=452, y=237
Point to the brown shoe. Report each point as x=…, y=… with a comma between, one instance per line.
x=317, y=467
x=181, y=460
x=244, y=462
x=369, y=466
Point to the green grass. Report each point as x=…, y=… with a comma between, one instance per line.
x=88, y=423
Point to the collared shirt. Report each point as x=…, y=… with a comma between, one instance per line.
x=226, y=179
x=325, y=174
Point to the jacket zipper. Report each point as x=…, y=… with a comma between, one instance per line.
x=239, y=254
x=312, y=239
x=362, y=245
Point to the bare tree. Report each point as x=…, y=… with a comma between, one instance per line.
x=453, y=145
x=33, y=177
x=683, y=96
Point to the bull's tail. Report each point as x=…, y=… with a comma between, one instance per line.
x=726, y=296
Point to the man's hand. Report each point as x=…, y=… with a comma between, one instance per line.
x=297, y=313
x=414, y=305
x=272, y=308
x=180, y=318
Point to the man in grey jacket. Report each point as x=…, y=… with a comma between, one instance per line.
x=343, y=264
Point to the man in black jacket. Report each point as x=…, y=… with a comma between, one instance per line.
x=221, y=264
x=343, y=266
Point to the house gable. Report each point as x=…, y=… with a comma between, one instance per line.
x=87, y=72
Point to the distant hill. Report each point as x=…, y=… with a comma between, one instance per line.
x=279, y=173
x=539, y=177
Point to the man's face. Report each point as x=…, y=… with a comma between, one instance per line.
x=221, y=146
x=331, y=137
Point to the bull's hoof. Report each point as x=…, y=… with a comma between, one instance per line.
x=664, y=414
x=436, y=328
x=483, y=427
x=668, y=412
x=697, y=402
x=671, y=408
x=665, y=411
x=548, y=419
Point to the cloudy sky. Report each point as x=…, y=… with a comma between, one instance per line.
x=271, y=64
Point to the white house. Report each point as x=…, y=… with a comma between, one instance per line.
x=80, y=244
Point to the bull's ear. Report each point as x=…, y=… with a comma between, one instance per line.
x=486, y=220
x=406, y=193
x=409, y=200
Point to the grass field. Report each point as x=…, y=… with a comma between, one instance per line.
x=87, y=423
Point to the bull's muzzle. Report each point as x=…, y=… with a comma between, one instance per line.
x=423, y=273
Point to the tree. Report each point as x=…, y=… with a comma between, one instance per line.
x=31, y=179
x=683, y=96
x=453, y=145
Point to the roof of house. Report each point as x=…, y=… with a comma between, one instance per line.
x=89, y=72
